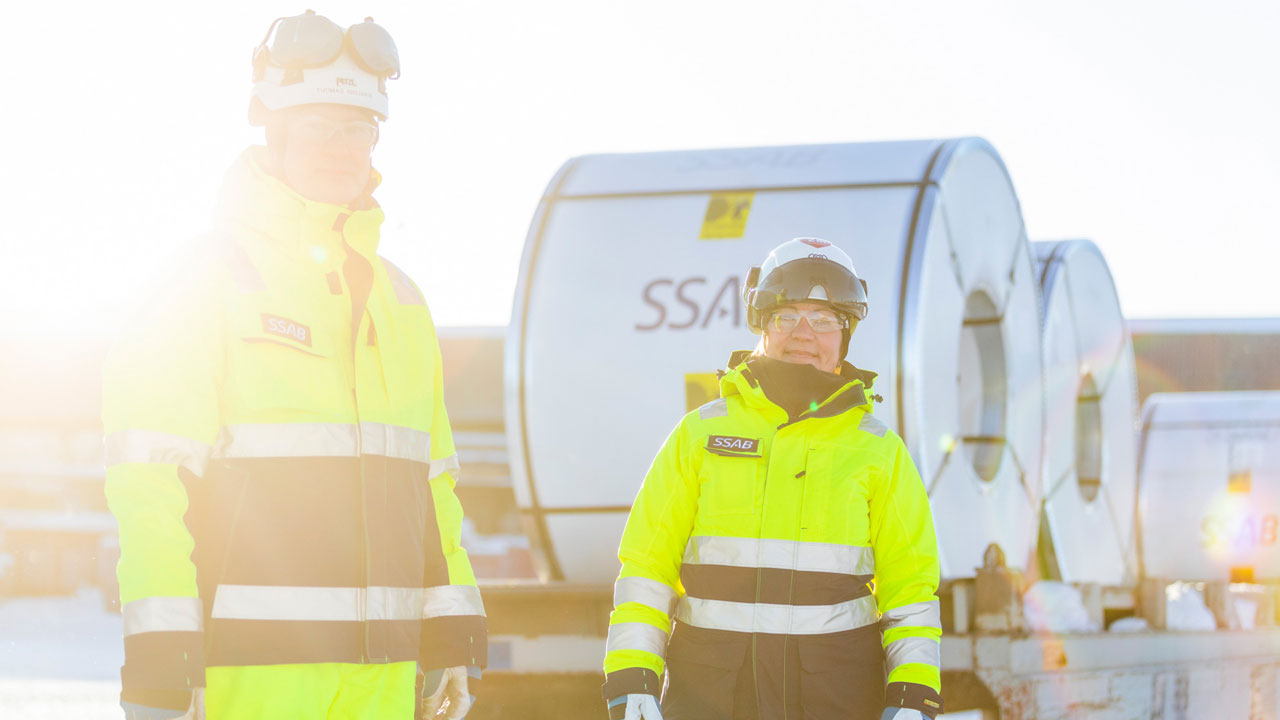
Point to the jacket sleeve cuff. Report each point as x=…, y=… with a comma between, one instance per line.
x=145, y=703
x=162, y=668
x=642, y=681
x=913, y=696
x=453, y=640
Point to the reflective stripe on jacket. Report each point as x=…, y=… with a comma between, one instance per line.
x=800, y=532
x=283, y=477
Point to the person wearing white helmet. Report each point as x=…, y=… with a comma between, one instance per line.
x=280, y=460
x=780, y=558
x=321, y=92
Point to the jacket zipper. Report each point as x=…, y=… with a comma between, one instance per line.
x=755, y=675
x=803, y=476
x=363, y=594
x=755, y=671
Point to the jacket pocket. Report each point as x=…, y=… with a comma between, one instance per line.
x=730, y=484
x=837, y=495
x=842, y=675
x=702, y=671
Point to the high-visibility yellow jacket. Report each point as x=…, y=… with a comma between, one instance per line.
x=283, y=476
x=772, y=540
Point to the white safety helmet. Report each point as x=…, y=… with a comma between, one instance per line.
x=806, y=269
x=313, y=60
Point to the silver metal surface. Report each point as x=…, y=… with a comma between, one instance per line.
x=1209, y=485
x=970, y=382
x=1090, y=466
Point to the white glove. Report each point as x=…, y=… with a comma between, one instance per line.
x=196, y=712
x=453, y=689
x=899, y=713
x=639, y=707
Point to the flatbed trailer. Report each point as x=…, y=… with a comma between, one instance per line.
x=547, y=646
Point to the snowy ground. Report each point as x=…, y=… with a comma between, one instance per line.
x=60, y=657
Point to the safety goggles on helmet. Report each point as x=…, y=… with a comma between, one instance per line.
x=310, y=41
x=820, y=321
x=810, y=279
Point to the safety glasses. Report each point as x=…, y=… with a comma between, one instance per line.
x=822, y=321
x=311, y=41
x=354, y=134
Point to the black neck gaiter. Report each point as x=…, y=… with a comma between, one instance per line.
x=794, y=387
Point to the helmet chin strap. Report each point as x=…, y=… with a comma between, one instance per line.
x=845, y=335
x=277, y=138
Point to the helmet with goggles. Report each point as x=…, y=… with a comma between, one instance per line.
x=308, y=59
x=806, y=270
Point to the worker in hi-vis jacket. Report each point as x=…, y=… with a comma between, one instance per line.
x=280, y=461
x=780, y=559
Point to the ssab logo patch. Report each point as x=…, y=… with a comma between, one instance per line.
x=730, y=444
x=284, y=327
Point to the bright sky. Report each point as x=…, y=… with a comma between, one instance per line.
x=1149, y=127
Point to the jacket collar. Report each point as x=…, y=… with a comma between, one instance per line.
x=254, y=203
x=738, y=380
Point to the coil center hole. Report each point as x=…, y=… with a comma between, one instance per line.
x=982, y=385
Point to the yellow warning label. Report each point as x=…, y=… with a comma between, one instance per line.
x=700, y=389
x=726, y=215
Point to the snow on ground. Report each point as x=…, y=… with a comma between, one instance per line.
x=60, y=657
x=46, y=699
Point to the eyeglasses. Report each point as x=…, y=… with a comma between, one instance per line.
x=822, y=321
x=312, y=41
x=354, y=134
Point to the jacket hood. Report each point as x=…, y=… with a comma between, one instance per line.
x=254, y=202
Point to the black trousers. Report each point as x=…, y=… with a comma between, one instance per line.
x=721, y=675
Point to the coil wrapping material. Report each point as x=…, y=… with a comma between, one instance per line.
x=629, y=300
x=971, y=386
x=1209, y=486
x=1090, y=454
